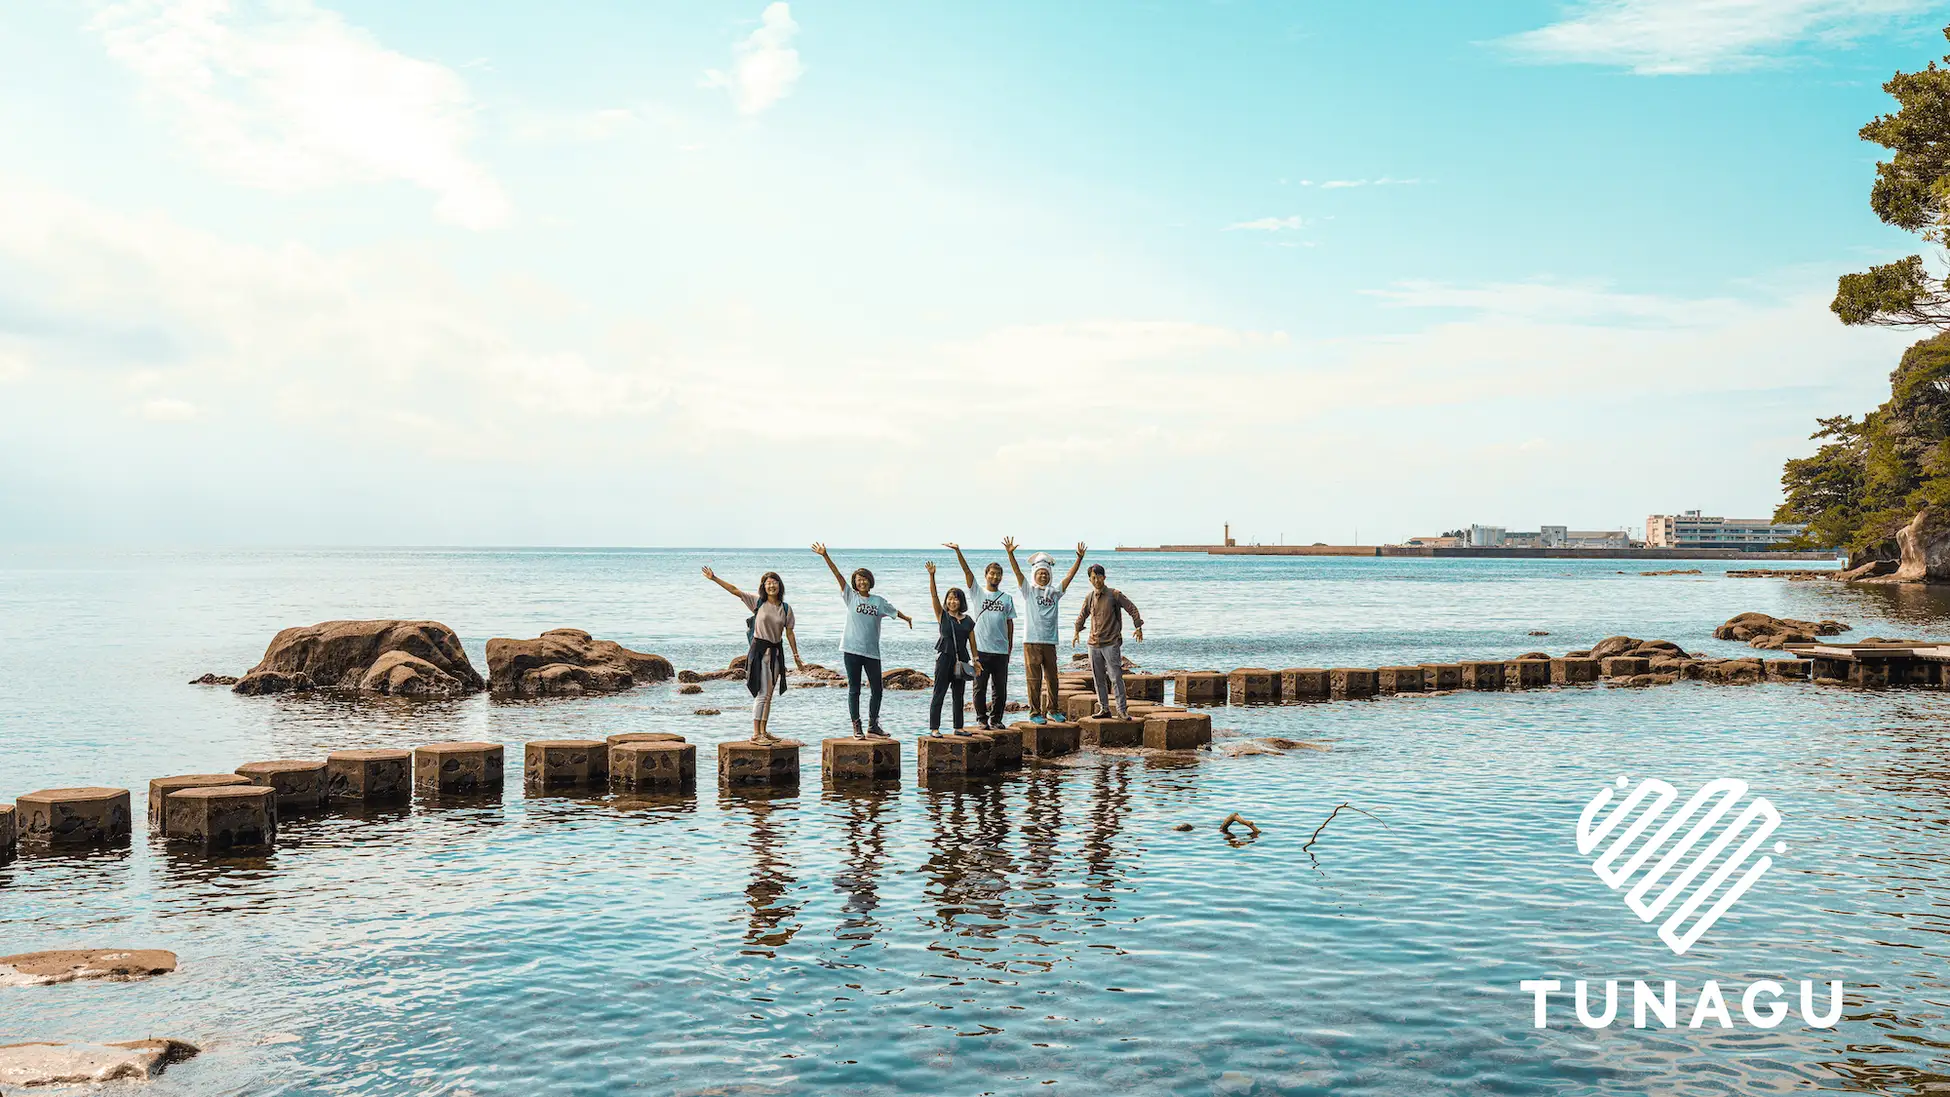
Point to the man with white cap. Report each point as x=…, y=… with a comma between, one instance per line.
x=1040, y=598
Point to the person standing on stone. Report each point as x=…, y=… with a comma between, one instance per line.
x=1104, y=608
x=767, y=631
x=995, y=638
x=951, y=662
x=1040, y=604
x=860, y=645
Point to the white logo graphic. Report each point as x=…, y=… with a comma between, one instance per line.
x=1622, y=859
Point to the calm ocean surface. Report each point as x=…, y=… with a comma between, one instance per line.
x=1049, y=932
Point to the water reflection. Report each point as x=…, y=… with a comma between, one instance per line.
x=968, y=867
x=1110, y=803
x=773, y=921
x=863, y=858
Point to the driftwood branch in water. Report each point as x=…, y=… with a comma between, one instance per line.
x=1308, y=849
x=1235, y=817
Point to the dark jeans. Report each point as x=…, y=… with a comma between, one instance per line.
x=854, y=665
x=944, y=682
x=992, y=673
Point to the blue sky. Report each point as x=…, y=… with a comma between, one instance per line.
x=705, y=273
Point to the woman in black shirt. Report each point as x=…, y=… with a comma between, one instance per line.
x=951, y=662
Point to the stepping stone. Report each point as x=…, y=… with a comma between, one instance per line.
x=1482, y=675
x=369, y=776
x=1198, y=687
x=161, y=787
x=1110, y=731
x=944, y=756
x=1079, y=705
x=1398, y=679
x=461, y=769
x=1304, y=684
x=656, y=765
x=1527, y=673
x=222, y=816
x=1008, y=748
x=9, y=830
x=744, y=763
x=1048, y=740
x=643, y=737
x=1246, y=686
x=1177, y=730
x=1352, y=682
x=1787, y=668
x=74, y=816
x=1567, y=672
x=1625, y=666
x=1442, y=676
x=849, y=759
x=565, y=764
x=300, y=783
x=1144, y=687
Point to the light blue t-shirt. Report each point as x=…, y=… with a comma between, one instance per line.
x=863, y=623
x=993, y=611
x=1040, y=609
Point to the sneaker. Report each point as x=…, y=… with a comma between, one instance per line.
x=965, y=733
x=1039, y=718
x=876, y=732
x=857, y=732
x=1100, y=714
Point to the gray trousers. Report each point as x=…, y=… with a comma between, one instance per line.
x=1107, y=669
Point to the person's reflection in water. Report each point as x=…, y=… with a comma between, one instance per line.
x=866, y=847
x=774, y=922
x=968, y=869
x=1110, y=802
x=1042, y=828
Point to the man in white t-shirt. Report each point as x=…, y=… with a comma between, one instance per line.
x=995, y=637
x=1040, y=601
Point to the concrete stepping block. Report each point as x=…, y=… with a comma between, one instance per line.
x=300, y=782
x=1570, y=672
x=941, y=756
x=1304, y=684
x=369, y=776
x=1248, y=686
x=223, y=816
x=1786, y=668
x=1352, y=683
x=161, y=787
x=1177, y=730
x=9, y=830
x=87, y=816
x=1625, y=666
x=1144, y=687
x=1198, y=687
x=1398, y=679
x=1527, y=673
x=849, y=759
x=1049, y=740
x=461, y=769
x=565, y=764
x=744, y=763
x=1111, y=731
x=643, y=737
x=1008, y=748
x=1079, y=705
x=1442, y=676
x=1482, y=675
x=653, y=766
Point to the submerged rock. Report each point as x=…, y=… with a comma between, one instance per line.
x=215, y=680
x=906, y=678
x=345, y=654
x=68, y=965
x=1762, y=631
x=567, y=662
x=53, y=1064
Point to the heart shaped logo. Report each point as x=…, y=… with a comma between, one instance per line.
x=1700, y=885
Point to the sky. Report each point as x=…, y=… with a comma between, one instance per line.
x=477, y=272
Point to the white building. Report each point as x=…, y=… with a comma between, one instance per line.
x=1690, y=529
x=1485, y=536
x=1548, y=537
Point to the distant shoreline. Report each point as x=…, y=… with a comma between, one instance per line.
x=1491, y=553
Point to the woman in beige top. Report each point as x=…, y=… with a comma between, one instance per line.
x=771, y=621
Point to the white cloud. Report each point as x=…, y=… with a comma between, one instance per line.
x=164, y=409
x=1268, y=224
x=1658, y=37
x=764, y=66
x=285, y=95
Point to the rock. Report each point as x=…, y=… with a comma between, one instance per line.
x=1611, y=646
x=1797, y=574
x=1762, y=631
x=35, y=969
x=1674, y=571
x=215, y=680
x=1182, y=827
x=688, y=677
x=1925, y=547
x=343, y=655
x=52, y=1064
x=1577, y=655
x=1537, y=632
x=816, y=673
x=691, y=688
x=1868, y=570
x=1534, y=655
x=906, y=678
x=567, y=662
x=1733, y=671
x=398, y=674
x=707, y=712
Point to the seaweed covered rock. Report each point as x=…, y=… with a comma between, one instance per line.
x=345, y=654
x=1762, y=631
x=906, y=678
x=567, y=662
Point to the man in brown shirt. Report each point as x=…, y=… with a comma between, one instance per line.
x=1104, y=607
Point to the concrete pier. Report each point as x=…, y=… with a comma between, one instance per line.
x=654, y=765
x=65, y=817
x=1050, y=740
x=848, y=759
x=161, y=787
x=1625, y=666
x=1111, y=731
x=1144, y=687
x=1527, y=673
x=1008, y=748
x=743, y=763
x=1079, y=705
x=300, y=782
x=1177, y=730
x=643, y=737
x=1247, y=686
x=1482, y=675
x=565, y=764
x=1305, y=684
x=9, y=830
x=1398, y=679
x=1442, y=676
x=457, y=769
x=1571, y=672
x=1786, y=668
x=222, y=816
x=1198, y=687
x=940, y=756
x=369, y=776
x=1352, y=683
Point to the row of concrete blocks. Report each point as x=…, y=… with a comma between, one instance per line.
x=1258, y=685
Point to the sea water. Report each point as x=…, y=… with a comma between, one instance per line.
x=1049, y=931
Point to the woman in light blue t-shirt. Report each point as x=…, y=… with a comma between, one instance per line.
x=860, y=646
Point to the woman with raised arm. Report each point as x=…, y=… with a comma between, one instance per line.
x=770, y=623
x=860, y=646
x=951, y=668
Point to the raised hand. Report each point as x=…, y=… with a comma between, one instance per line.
x=1008, y=544
x=819, y=548
x=709, y=575
x=950, y=545
x=707, y=571
x=1080, y=550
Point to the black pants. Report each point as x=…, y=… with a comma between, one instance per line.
x=944, y=682
x=855, y=664
x=991, y=674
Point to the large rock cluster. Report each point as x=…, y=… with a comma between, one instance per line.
x=567, y=662
x=401, y=658
x=1773, y=633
